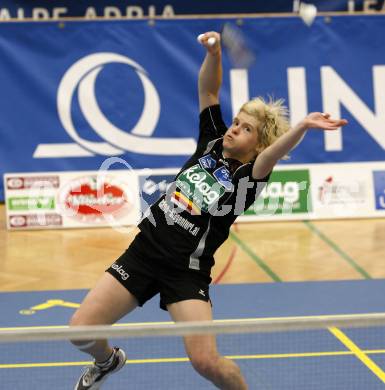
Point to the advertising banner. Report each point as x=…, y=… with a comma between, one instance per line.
x=321, y=191
x=40, y=9
x=286, y=193
x=342, y=191
x=120, y=198
x=71, y=199
x=76, y=94
x=379, y=189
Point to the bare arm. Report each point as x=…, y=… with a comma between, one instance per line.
x=267, y=159
x=210, y=74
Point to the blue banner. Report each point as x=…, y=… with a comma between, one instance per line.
x=74, y=94
x=41, y=9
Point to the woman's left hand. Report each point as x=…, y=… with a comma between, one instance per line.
x=319, y=120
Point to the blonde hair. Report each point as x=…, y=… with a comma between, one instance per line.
x=273, y=117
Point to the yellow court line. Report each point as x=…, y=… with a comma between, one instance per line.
x=39, y=365
x=66, y=326
x=359, y=353
x=34, y=327
x=290, y=355
x=320, y=317
x=185, y=359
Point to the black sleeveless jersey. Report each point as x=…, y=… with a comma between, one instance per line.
x=187, y=224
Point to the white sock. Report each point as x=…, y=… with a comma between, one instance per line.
x=107, y=362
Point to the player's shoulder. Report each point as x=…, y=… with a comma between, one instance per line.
x=211, y=117
x=210, y=109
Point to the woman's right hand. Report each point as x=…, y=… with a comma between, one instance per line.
x=213, y=48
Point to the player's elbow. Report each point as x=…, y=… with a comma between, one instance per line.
x=263, y=165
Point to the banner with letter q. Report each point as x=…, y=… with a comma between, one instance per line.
x=75, y=93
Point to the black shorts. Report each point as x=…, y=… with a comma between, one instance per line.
x=145, y=276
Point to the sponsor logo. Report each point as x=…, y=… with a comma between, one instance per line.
x=20, y=183
x=287, y=192
x=34, y=11
x=120, y=270
x=207, y=162
x=17, y=221
x=200, y=187
x=35, y=220
x=80, y=78
x=173, y=217
x=223, y=176
x=184, y=203
x=152, y=188
x=15, y=183
x=341, y=192
x=24, y=203
x=89, y=199
x=201, y=292
x=379, y=189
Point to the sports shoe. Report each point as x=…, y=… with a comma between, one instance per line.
x=93, y=377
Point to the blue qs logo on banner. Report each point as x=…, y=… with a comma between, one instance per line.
x=379, y=189
x=81, y=77
x=153, y=187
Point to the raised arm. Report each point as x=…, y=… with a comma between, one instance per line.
x=267, y=159
x=210, y=74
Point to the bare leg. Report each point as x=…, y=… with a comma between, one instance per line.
x=105, y=304
x=202, y=349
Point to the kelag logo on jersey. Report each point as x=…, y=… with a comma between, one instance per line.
x=152, y=188
x=200, y=187
x=379, y=189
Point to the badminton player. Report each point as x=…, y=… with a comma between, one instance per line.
x=173, y=253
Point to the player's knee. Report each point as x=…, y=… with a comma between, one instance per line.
x=77, y=319
x=205, y=364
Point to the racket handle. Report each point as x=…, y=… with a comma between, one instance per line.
x=211, y=41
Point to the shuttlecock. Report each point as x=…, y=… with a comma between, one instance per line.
x=200, y=38
x=307, y=12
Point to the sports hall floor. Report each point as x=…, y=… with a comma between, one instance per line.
x=264, y=270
